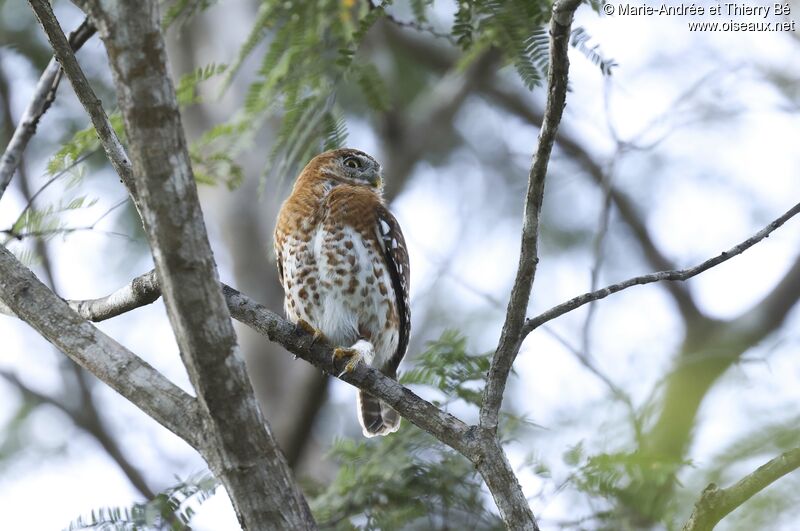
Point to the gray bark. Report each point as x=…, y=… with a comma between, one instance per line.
x=123, y=371
x=236, y=442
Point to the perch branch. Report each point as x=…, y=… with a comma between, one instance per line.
x=144, y=290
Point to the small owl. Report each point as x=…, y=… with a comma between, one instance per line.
x=343, y=264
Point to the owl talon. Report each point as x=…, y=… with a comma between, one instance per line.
x=353, y=356
x=316, y=333
x=362, y=351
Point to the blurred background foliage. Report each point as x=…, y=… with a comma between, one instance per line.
x=617, y=415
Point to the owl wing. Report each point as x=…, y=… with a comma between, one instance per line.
x=393, y=246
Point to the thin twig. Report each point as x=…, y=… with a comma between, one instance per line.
x=597, y=251
x=674, y=275
x=64, y=231
x=94, y=107
x=495, y=469
x=511, y=335
x=50, y=181
x=413, y=24
x=43, y=97
x=518, y=104
x=715, y=503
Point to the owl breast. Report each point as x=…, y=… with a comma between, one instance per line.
x=337, y=281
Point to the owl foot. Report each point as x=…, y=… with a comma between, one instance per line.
x=361, y=351
x=316, y=333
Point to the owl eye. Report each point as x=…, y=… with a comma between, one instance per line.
x=353, y=163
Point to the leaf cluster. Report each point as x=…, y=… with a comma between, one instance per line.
x=447, y=366
x=404, y=481
x=624, y=479
x=171, y=509
x=409, y=480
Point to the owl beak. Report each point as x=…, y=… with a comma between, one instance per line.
x=375, y=179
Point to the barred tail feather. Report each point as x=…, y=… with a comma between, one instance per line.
x=375, y=417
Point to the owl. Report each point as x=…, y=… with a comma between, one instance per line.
x=343, y=264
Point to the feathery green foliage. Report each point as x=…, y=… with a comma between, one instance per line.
x=82, y=142
x=407, y=480
x=309, y=52
x=186, y=91
x=47, y=221
x=171, y=509
x=579, y=39
x=512, y=27
x=619, y=479
x=447, y=366
x=182, y=10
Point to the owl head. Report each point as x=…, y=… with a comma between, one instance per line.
x=347, y=166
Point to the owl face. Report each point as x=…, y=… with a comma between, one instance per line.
x=351, y=166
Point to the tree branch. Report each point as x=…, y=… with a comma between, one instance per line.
x=715, y=503
x=43, y=97
x=239, y=447
x=140, y=291
x=512, y=334
x=675, y=275
x=83, y=411
x=123, y=371
x=145, y=289
x=479, y=446
x=428, y=417
x=516, y=104
x=94, y=108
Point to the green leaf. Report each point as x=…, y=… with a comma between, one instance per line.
x=186, y=91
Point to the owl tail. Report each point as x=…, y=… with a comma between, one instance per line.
x=375, y=417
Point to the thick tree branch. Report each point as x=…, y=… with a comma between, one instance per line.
x=715, y=503
x=512, y=334
x=43, y=97
x=238, y=447
x=675, y=275
x=123, y=371
x=479, y=446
